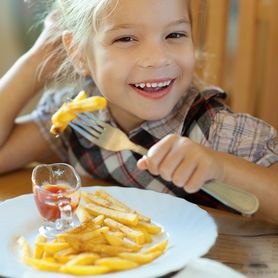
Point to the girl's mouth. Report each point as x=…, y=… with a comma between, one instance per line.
x=153, y=89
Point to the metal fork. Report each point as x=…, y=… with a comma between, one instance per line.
x=113, y=139
x=103, y=134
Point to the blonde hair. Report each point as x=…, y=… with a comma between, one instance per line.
x=80, y=17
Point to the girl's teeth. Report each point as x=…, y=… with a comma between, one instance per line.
x=152, y=85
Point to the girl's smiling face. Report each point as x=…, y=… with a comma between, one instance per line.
x=142, y=58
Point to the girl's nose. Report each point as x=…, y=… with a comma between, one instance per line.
x=155, y=56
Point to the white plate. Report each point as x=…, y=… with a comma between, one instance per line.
x=190, y=231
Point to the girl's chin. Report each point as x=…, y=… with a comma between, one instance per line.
x=155, y=117
x=136, y=115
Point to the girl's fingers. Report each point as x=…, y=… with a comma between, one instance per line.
x=142, y=163
x=171, y=162
x=181, y=161
x=157, y=153
x=196, y=180
x=183, y=172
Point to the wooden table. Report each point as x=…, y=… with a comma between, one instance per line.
x=230, y=226
x=19, y=182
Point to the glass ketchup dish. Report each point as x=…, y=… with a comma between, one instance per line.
x=56, y=189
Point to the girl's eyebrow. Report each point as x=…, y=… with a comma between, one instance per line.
x=120, y=26
x=129, y=26
x=180, y=21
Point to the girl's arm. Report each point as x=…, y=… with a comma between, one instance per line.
x=17, y=86
x=259, y=180
x=189, y=165
x=25, y=145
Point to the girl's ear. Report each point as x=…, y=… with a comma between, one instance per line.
x=75, y=56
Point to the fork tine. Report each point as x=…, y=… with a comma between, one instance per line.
x=84, y=133
x=83, y=120
x=96, y=121
x=90, y=129
x=90, y=122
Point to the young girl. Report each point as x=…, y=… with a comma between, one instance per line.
x=140, y=56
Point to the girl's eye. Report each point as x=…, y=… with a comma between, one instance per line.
x=125, y=39
x=176, y=36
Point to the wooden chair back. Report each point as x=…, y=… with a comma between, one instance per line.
x=245, y=66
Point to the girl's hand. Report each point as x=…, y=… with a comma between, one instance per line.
x=183, y=162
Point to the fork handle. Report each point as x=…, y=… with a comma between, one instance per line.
x=139, y=149
x=242, y=201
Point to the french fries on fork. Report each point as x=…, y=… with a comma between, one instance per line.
x=69, y=110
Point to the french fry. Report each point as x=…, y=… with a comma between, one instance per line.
x=147, y=236
x=51, y=247
x=151, y=228
x=83, y=259
x=68, y=111
x=115, y=240
x=81, y=95
x=84, y=269
x=38, y=252
x=80, y=245
x=142, y=217
x=46, y=255
x=60, y=120
x=24, y=248
x=116, y=233
x=134, y=247
x=87, y=104
x=98, y=219
x=85, y=235
x=82, y=214
x=137, y=236
x=105, y=249
x=141, y=258
x=42, y=264
x=123, y=217
x=63, y=259
x=65, y=252
x=106, y=196
x=114, y=263
x=84, y=227
x=160, y=246
x=116, y=203
x=92, y=198
x=50, y=260
x=74, y=243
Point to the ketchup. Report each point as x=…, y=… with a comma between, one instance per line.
x=47, y=197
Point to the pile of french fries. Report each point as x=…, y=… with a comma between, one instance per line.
x=111, y=237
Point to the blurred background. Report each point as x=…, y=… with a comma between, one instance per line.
x=20, y=25
x=17, y=30
x=239, y=39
